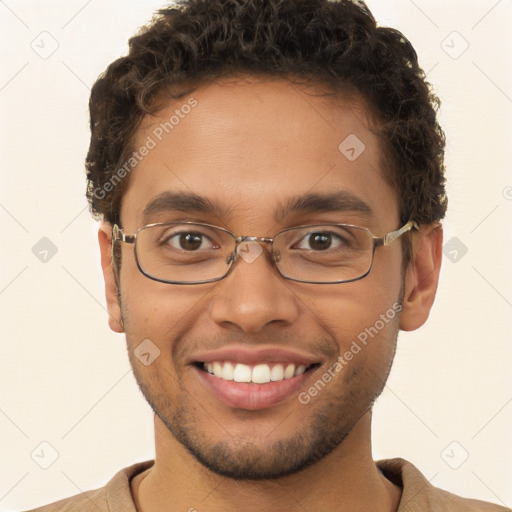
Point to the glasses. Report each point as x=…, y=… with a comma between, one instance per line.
x=192, y=253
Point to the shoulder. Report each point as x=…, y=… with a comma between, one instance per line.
x=114, y=497
x=419, y=494
x=86, y=501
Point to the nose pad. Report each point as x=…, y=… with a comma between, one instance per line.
x=249, y=251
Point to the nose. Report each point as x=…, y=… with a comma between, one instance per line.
x=254, y=294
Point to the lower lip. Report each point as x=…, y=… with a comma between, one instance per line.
x=250, y=396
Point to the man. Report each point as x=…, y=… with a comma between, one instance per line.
x=270, y=180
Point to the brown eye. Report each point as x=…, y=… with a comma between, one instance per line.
x=190, y=241
x=320, y=241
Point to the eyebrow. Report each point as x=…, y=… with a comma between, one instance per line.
x=186, y=202
x=339, y=201
x=189, y=202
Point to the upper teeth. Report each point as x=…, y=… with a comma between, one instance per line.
x=259, y=374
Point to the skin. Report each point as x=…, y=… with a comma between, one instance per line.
x=249, y=145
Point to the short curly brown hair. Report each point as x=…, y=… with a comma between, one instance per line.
x=333, y=43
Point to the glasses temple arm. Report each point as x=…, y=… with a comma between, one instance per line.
x=390, y=237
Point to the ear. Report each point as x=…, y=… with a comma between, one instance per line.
x=422, y=276
x=114, y=309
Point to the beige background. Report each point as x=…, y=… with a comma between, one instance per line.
x=65, y=376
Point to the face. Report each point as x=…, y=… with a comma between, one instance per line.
x=250, y=148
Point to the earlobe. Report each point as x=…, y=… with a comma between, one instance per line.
x=422, y=276
x=111, y=293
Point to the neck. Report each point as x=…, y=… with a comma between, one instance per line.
x=347, y=479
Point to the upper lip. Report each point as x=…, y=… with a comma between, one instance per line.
x=253, y=356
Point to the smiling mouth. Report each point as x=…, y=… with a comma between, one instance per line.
x=262, y=373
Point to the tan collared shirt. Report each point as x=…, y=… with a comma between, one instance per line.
x=418, y=494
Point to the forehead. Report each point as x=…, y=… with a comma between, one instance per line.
x=251, y=145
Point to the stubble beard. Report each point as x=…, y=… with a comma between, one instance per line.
x=321, y=431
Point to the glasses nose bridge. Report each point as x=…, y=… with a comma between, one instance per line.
x=261, y=240
x=257, y=239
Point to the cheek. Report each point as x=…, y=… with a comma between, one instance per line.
x=159, y=311
x=362, y=316
x=355, y=306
